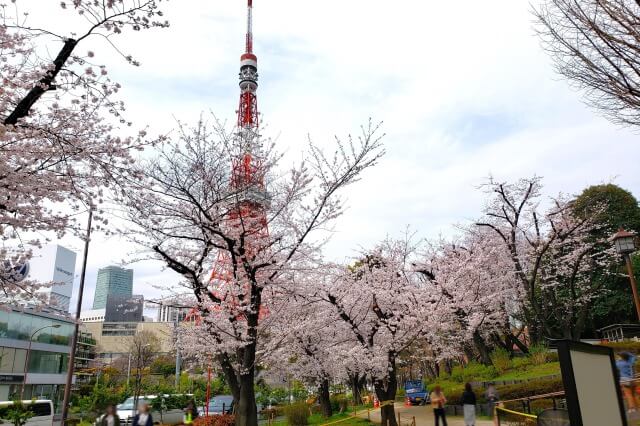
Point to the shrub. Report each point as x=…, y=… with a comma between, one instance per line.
x=538, y=354
x=297, y=414
x=501, y=360
x=476, y=372
x=218, y=420
x=18, y=413
x=521, y=363
x=507, y=392
x=340, y=403
x=532, y=388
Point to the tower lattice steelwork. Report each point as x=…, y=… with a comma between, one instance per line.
x=248, y=200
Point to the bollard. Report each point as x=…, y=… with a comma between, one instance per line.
x=368, y=414
x=399, y=422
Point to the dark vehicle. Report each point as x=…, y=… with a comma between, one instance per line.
x=416, y=392
x=221, y=404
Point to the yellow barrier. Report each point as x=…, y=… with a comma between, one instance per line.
x=517, y=418
x=531, y=416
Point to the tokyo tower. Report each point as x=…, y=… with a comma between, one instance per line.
x=248, y=199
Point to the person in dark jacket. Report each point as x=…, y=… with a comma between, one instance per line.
x=143, y=418
x=469, y=405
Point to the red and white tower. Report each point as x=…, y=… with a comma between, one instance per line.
x=248, y=199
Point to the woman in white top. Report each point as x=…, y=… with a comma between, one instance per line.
x=143, y=418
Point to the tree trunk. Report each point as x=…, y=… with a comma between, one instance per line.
x=246, y=412
x=511, y=338
x=388, y=416
x=324, y=398
x=483, y=349
x=386, y=393
x=357, y=383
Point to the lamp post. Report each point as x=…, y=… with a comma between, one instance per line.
x=625, y=245
x=74, y=339
x=26, y=361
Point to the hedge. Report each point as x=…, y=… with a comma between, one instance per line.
x=624, y=346
x=506, y=392
x=219, y=420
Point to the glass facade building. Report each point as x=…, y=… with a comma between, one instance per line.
x=112, y=281
x=48, y=354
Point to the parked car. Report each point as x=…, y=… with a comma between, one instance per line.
x=221, y=404
x=41, y=408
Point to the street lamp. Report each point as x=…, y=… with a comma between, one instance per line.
x=26, y=362
x=624, y=242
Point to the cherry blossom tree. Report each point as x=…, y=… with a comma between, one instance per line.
x=306, y=345
x=554, y=255
x=474, y=276
x=189, y=212
x=384, y=308
x=62, y=129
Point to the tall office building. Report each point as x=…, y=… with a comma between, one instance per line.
x=112, y=281
x=56, y=265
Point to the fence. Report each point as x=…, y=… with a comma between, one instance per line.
x=524, y=411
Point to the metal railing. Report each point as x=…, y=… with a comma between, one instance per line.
x=523, y=411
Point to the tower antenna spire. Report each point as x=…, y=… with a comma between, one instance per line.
x=249, y=48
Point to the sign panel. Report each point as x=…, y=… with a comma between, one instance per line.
x=591, y=385
x=11, y=378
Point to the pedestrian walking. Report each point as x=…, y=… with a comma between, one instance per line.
x=492, y=397
x=143, y=418
x=110, y=418
x=626, y=369
x=469, y=405
x=438, y=402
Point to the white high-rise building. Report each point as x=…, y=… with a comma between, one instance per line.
x=168, y=313
x=54, y=264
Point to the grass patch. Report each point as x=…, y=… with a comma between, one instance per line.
x=532, y=371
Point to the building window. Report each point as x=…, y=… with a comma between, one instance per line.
x=47, y=362
x=21, y=326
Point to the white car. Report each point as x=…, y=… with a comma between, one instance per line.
x=41, y=408
x=125, y=411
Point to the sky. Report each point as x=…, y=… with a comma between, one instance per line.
x=463, y=89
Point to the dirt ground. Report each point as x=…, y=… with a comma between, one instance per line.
x=423, y=416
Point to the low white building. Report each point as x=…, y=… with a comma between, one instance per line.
x=93, y=315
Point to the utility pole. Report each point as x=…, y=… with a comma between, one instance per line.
x=74, y=340
x=175, y=329
x=129, y=370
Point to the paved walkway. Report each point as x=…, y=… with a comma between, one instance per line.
x=423, y=415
